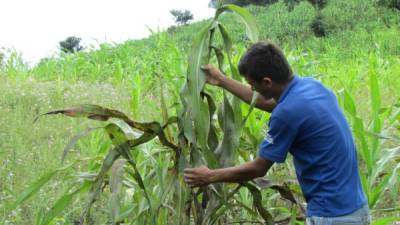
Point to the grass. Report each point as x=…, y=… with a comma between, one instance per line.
x=127, y=77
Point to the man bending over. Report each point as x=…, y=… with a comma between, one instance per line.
x=307, y=122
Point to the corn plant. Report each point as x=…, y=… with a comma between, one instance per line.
x=377, y=148
x=199, y=138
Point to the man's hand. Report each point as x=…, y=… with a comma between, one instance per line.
x=213, y=75
x=199, y=176
x=202, y=176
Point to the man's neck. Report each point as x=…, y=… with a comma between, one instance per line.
x=281, y=88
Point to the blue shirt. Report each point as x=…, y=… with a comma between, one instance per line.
x=309, y=124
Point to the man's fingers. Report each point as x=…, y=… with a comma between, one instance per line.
x=205, y=67
x=189, y=176
x=188, y=170
x=189, y=181
x=192, y=183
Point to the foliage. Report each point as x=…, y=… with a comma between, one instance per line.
x=197, y=143
x=318, y=26
x=389, y=3
x=182, y=17
x=372, y=143
x=128, y=77
x=219, y=3
x=71, y=45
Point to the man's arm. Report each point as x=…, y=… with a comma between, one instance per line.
x=203, y=175
x=217, y=78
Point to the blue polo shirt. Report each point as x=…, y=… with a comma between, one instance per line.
x=309, y=124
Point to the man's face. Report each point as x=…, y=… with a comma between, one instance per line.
x=264, y=87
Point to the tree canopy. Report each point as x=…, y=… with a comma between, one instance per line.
x=71, y=45
x=182, y=17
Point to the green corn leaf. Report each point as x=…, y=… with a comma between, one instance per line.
x=95, y=189
x=374, y=86
x=75, y=139
x=61, y=205
x=393, y=180
x=182, y=197
x=196, y=109
x=375, y=103
x=252, y=104
x=235, y=74
x=377, y=191
x=257, y=202
x=383, y=162
x=365, y=185
x=115, y=187
x=125, y=212
x=385, y=221
x=226, y=150
x=35, y=187
x=359, y=131
x=220, y=57
x=245, y=16
x=120, y=134
x=212, y=135
x=215, y=206
x=348, y=102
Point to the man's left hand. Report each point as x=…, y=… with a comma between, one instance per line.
x=199, y=176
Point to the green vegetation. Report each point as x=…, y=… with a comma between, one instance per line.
x=358, y=58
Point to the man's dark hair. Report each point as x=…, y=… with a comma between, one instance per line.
x=265, y=59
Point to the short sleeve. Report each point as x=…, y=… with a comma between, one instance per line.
x=277, y=141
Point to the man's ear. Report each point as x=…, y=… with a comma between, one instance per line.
x=267, y=81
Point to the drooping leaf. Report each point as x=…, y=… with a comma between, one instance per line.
x=103, y=114
x=257, y=202
x=245, y=16
x=283, y=189
x=89, y=111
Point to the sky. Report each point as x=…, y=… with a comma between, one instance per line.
x=35, y=27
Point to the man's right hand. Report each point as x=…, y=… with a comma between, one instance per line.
x=213, y=75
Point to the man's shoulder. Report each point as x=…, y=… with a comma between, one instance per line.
x=300, y=101
x=288, y=111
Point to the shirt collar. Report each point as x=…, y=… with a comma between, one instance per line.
x=285, y=92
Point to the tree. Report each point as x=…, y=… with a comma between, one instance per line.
x=218, y=3
x=182, y=17
x=71, y=45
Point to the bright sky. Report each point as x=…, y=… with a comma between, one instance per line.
x=34, y=27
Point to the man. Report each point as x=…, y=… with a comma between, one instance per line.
x=307, y=122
